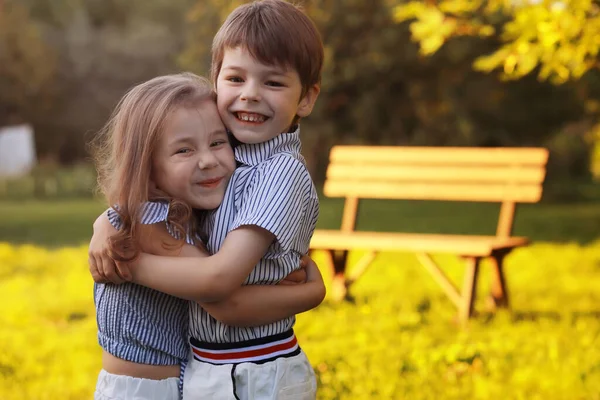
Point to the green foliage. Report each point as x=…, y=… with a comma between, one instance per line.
x=562, y=38
x=377, y=86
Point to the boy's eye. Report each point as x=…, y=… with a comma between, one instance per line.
x=274, y=83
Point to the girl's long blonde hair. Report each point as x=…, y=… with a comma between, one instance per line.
x=123, y=153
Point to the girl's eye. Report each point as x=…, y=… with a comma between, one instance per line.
x=235, y=79
x=183, y=151
x=217, y=143
x=274, y=84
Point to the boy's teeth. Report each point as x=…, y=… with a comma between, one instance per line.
x=251, y=117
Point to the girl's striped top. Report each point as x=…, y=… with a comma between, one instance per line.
x=139, y=324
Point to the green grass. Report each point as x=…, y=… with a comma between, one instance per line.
x=50, y=223
x=69, y=222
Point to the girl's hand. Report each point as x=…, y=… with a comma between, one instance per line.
x=102, y=267
x=313, y=274
x=314, y=283
x=294, y=278
x=299, y=275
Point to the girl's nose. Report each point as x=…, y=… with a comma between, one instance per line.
x=207, y=160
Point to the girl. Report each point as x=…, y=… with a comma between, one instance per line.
x=163, y=156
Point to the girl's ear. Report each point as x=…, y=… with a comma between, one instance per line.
x=307, y=103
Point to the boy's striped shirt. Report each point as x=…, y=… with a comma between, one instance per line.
x=272, y=189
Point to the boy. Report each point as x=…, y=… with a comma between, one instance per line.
x=266, y=66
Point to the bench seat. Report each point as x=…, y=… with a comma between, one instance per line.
x=466, y=245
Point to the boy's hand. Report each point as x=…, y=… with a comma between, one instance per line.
x=102, y=267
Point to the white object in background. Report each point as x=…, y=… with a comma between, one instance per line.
x=17, y=150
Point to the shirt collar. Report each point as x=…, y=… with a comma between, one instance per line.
x=253, y=154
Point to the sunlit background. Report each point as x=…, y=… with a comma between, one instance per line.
x=500, y=73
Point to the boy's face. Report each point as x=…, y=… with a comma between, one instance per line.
x=257, y=101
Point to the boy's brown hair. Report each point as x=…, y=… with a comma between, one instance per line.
x=274, y=32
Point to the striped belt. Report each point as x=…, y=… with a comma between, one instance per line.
x=256, y=351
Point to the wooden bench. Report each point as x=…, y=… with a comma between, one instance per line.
x=504, y=175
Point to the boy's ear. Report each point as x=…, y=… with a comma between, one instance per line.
x=307, y=103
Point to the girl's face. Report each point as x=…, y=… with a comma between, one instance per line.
x=193, y=160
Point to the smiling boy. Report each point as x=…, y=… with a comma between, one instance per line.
x=266, y=67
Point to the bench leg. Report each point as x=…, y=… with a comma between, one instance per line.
x=469, y=289
x=499, y=295
x=361, y=267
x=336, y=261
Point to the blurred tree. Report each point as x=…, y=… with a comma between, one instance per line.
x=562, y=38
x=101, y=49
x=556, y=40
x=27, y=66
x=378, y=86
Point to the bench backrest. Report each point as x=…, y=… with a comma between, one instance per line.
x=505, y=175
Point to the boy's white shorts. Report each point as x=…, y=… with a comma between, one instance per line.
x=121, y=387
x=280, y=379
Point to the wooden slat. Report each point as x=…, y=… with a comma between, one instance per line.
x=434, y=191
x=440, y=173
x=506, y=219
x=439, y=155
x=350, y=213
x=384, y=241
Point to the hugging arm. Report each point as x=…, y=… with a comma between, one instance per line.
x=247, y=305
x=206, y=279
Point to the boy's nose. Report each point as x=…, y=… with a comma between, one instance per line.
x=250, y=92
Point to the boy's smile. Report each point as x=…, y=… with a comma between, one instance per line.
x=258, y=101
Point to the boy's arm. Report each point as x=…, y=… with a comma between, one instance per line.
x=273, y=210
x=251, y=305
x=208, y=279
x=255, y=305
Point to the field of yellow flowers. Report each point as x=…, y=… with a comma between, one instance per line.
x=397, y=341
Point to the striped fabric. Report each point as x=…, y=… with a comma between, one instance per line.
x=139, y=324
x=271, y=188
x=257, y=351
x=152, y=212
